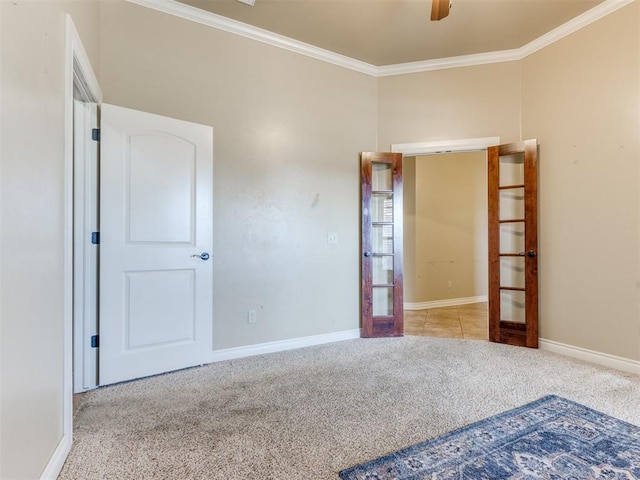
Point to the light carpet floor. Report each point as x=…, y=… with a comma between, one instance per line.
x=309, y=413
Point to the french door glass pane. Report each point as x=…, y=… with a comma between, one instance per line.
x=381, y=177
x=512, y=237
x=382, y=301
x=512, y=304
x=382, y=207
x=383, y=270
x=382, y=238
x=512, y=272
x=512, y=204
x=512, y=170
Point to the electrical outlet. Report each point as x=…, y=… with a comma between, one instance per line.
x=332, y=238
x=251, y=316
x=449, y=284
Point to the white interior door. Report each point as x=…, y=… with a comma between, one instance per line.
x=156, y=198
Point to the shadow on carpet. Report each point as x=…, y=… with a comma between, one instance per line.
x=552, y=438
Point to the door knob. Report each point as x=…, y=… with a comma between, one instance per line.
x=203, y=256
x=367, y=254
x=531, y=254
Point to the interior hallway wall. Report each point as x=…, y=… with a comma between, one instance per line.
x=449, y=218
x=287, y=133
x=32, y=86
x=409, y=229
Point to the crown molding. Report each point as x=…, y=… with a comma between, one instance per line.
x=449, y=62
x=187, y=12
x=203, y=17
x=587, y=18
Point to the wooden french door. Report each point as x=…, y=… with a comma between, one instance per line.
x=381, y=254
x=513, y=243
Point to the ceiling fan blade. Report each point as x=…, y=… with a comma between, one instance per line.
x=439, y=9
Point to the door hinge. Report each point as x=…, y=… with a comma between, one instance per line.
x=95, y=238
x=95, y=341
x=95, y=134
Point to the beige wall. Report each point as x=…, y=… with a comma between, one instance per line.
x=287, y=133
x=470, y=102
x=449, y=219
x=31, y=235
x=581, y=100
x=409, y=229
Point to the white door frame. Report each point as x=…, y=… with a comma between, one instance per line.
x=85, y=88
x=78, y=73
x=444, y=146
x=85, y=254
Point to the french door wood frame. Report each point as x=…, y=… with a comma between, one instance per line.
x=513, y=243
x=381, y=246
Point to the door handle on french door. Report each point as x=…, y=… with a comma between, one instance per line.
x=531, y=254
x=203, y=256
x=367, y=254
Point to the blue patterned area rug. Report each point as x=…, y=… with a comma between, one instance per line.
x=552, y=438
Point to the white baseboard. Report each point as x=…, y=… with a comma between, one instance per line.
x=450, y=302
x=282, y=345
x=611, y=361
x=56, y=462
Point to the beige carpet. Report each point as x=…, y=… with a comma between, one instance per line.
x=308, y=413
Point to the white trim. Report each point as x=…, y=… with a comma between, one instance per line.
x=56, y=462
x=282, y=345
x=82, y=72
x=79, y=124
x=449, y=62
x=85, y=255
x=587, y=18
x=445, y=146
x=76, y=62
x=450, y=302
x=611, y=361
x=172, y=7
x=225, y=24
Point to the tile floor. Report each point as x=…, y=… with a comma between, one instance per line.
x=461, y=321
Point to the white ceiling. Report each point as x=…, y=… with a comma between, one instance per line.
x=390, y=32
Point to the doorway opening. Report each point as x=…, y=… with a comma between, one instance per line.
x=445, y=238
x=445, y=245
